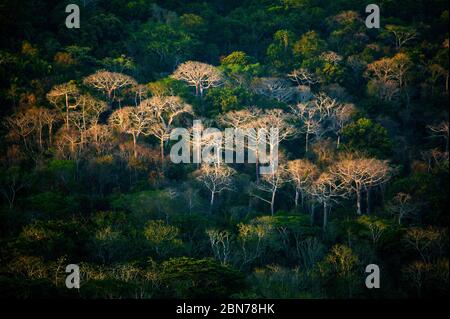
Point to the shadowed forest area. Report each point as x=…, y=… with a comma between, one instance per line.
x=86, y=177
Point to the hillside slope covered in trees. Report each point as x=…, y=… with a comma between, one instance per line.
x=86, y=177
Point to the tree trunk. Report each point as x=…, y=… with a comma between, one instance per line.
x=296, y=197
x=325, y=216
x=211, y=202
x=358, y=202
x=134, y=146
x=161, y=145
x=272, y=202
x=50, y=129
x=306, y=142
x=303, y=200
x=40, y=137
x=313, y=208
x=67, y=112
x=257, y=166
x=368, y=201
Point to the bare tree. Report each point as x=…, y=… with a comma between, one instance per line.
x=87, y=115
x=42, y=118
x=21, y=125
x=274, y=88
x=341, y=117
x=389, y=74
x=325, y=105
x=401, y=34
x=216, y=178
x=49, y=118
x=361, y=174
x=68, y=143
x=303, y=77
x=29, y=125
x=135, y=121
x=202, y=76
x=141, y=93
x=12, y=181
x=109, y=82
x=257, y=124
x=163, y=111
x=310, y=118
x=331, y=57
x=99, y=136
x=301, y=174
x=326, y=189
x=440, y=130
x=271, y=183
x=220, y=241
x=65, y=97
x=402, y=206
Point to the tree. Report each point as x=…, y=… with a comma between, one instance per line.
x=88, y=115
x=163, y=111
x=326, y=189
x=401, y=34
x=109, y=82
x=99, y=136
x=303, y=77
x=254, y=237
x=279, y=51
x=301, y=173
x=161, y=236
x=202, y=76
x=361, y=174
x=340, y=118
x=402, y=206
x=220, y=244
x=135, y=121
x=68, y=143
x=389, y=75
x=416, y=273
x=310, y=118
x=65, y=97
x=368, y=137
x=440, y=130
x=312, y=115
x=428, y=242
x=274, y=88
x=257, y=124
x=240, y=67
x=216, y=178
x=375, y=226
x=270, y=183
x=309, y=46
x=340, y=263
x=20, y=125
x=12, y=180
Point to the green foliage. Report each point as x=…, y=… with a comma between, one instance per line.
x=226, y=99
x=308, y=48
x=240, y=67
x=279, y=52
x=162, y=237
x=367, y=137
x=199, y=278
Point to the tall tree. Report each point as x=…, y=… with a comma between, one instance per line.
x=361, y=174
x=202, y=76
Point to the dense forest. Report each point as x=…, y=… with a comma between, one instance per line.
x=86, y=177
